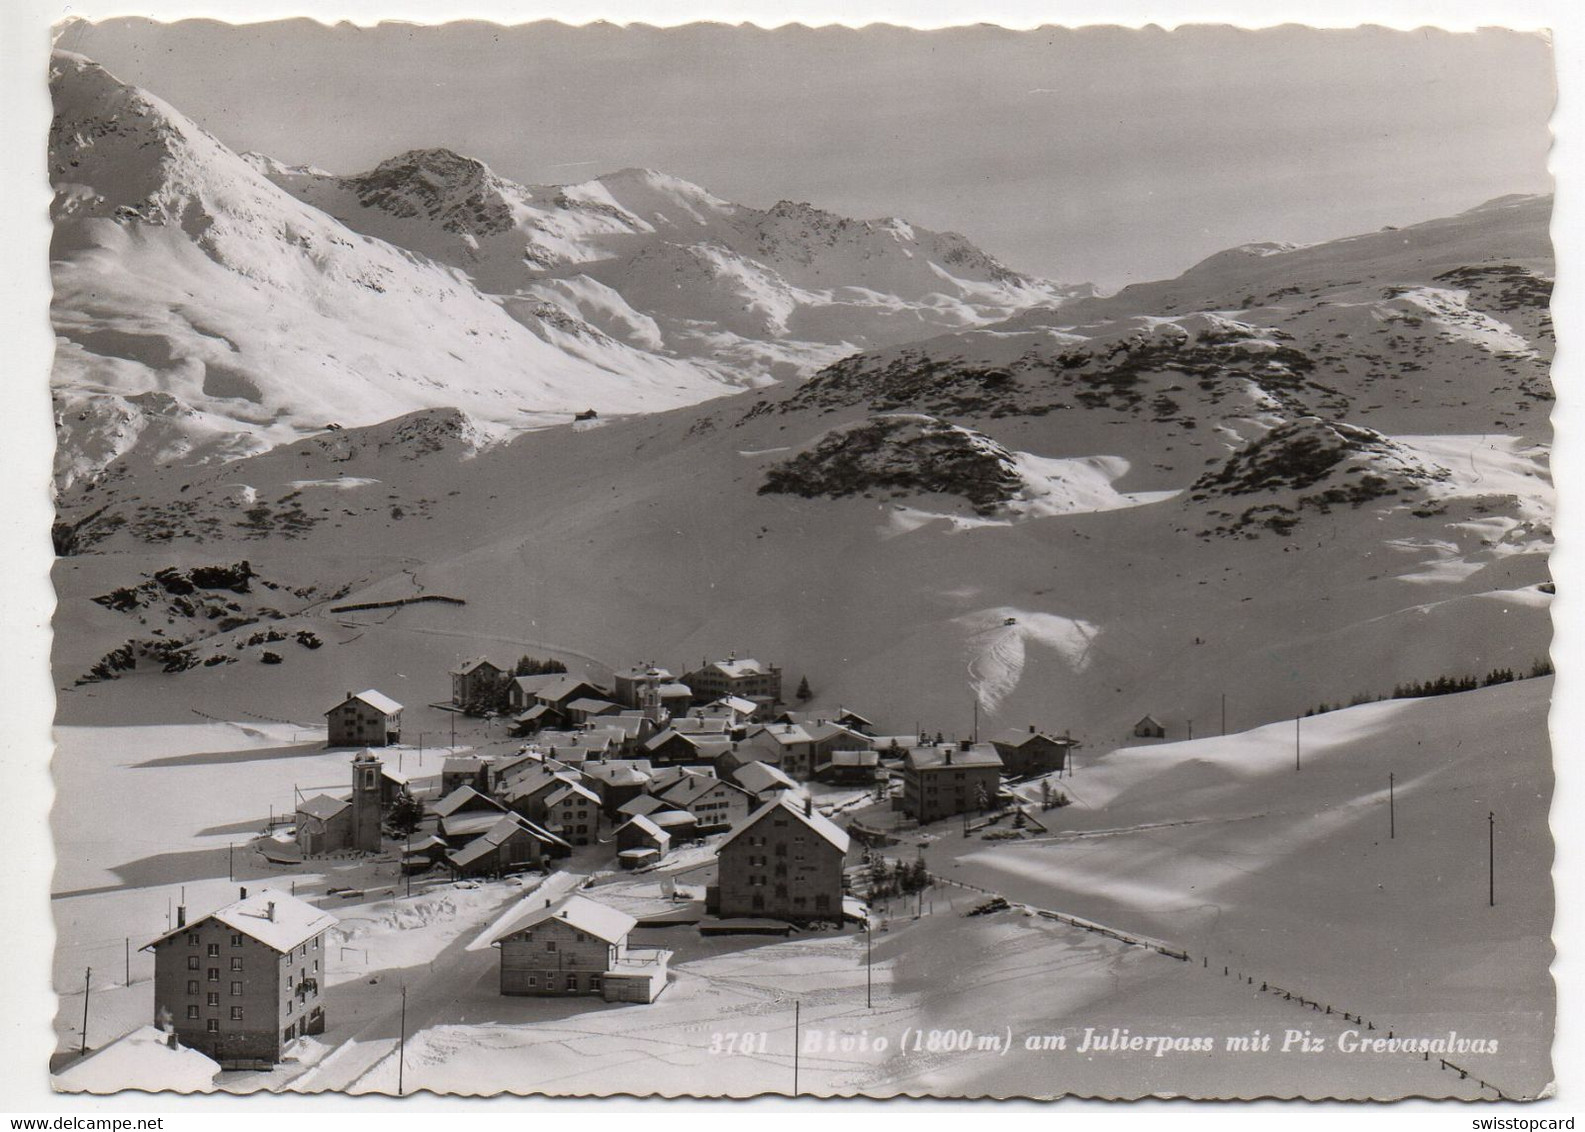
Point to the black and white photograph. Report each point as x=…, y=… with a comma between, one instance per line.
x=729, y=560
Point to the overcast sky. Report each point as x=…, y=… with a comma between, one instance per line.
x=1100, y=154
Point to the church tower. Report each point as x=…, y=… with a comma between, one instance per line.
x=366, y=801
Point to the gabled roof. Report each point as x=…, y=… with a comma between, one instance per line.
x=532, y=779
x=591, y=705
x=468, y=666
x=819, y=732
x=661, y=738
x=619, y=772
x=376, y=700
x=414, y=848
x=504, y=829
x=1013, y=737
x=589, y=916
x=323, y=806
x=278, y=921
x=944, y=755
x=783, y=734
x=532, y=684
x=868, y=757
x=463, y=764
x=849, y=713
x=565, y=687
x=758, y=777
x=674, y=691
x=469, y=825
x=573, y=789
x=460, y=797
x=644, y=672
x=692, y=786
x=694, y=725
x=639, y=821
x=815, y=820
x=737, y=704
x=1151, y=721
x=538, y=711
x=735, y=668
x=140, y=1060
x=641, y=804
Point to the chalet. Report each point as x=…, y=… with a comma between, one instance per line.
x=700, y=725
x=576, y=947
x=324, y=825
x=784, y=861
x=616, y=780
x=475, y=681
x=509, y=844
x=521, y=690
x=527, y=791
x=853, y=721
x=424, y=854
x=943, y=779
x=367, y=719
x=737, y=711
x=148, y=1059
x=714, y=803
x=745, y=678
x=787, y=745
x=642, y=804
x=245, y=981
x=464, y=771
x=577, y=746
x=677, y=748
x=763, y=781
x=850, y=768
x=826, y=736
x=1032, y=752
x=585, y=708
x=1149, y=728
x=465, y=813
x=564, y=689
x=675, y=698
x=573, y=813
x=641, y=833
x=535, y=718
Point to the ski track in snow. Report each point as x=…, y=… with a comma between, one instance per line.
x=997, y=638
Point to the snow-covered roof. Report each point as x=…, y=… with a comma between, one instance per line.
x=376, y=700
x=951, y=754
x=853, y=758
x=468, y=666
x=590, y=704
x=140, y=1059
x=639, y=821
x=644, y=672
x=735, y=668
x=276, y=920
x=736, y=703
x=462, y=764
x=619, y=772
x=565, y=687
x=674, y=690
x=814, y=819
x=536, y=712
x=532, y=684
x=757, y=777
x=641, y=804
x=589, y=916
x=572, y=789
x=693, y=786
x=323, y=806
x=461, y=797
x=784, y=734
x=696, y=725
x=1015, y=737
x=849, y=713
x=826, y=728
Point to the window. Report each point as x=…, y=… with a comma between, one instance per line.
x=288, y=1006
x=236, y=990
x=236, y=1013
x=572, y=982
x=214, y=974
x=192, y=938
x=533, y=980
x=594, y=982
x=316, y=943
x=550, y=945
x=316, y=966
x=192, y=1010
x=236, y=939
x=212, y=998
x=192, y=962
x=213, y=1025
x=212, y=949
x=288, y=982
x=236, y=962
x=192, y=986
x=286, y=1034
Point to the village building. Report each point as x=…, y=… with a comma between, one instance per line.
x=424, y=854
x=577, y=947
x=737, y=711
x=522, y=690
x=573, y=813
x=678, y=748
x=1032, y=752
x=850, y=768
x=245, y=981
x=369, y=792
x=629, y=686
x=680, y=825
x=783, y=862
x=586, y=708
x=744, y=678
x=324, y=825
x=475, y=681
x=366, y=719
x=853, y=721
x=642, y=804
x=1149, y=728
x=787, y=745
x=460, y=770
x=508, y=845
x=944, y=779
x=616, y=780
x=149, y=1058
x=529, y=789
x=642, y=833
x=763, y=781
x=826, y=736
x=465, y=813
x=714, y=803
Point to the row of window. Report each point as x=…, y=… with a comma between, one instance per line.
x=238, y=939
x=567, y=982
x=193, y=964
x=214, y=1023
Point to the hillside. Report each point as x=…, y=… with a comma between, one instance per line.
x=210, y=305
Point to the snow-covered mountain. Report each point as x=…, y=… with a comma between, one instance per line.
x=1295, y=486
x=210, y=304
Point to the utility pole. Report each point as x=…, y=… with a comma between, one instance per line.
x=797, y=1041
x=453, y=731
x=128, y=945
x=1224, y=713
x=868, y=978
x=231, y=860
x=87, y=980
x=1296, y=721
x=1191, y=729
x=1490, y=860
x=401, y=1048
x=1392, y=810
